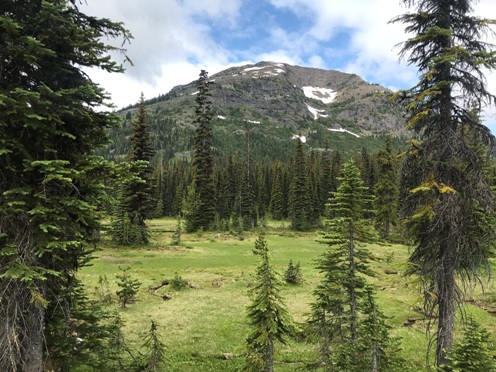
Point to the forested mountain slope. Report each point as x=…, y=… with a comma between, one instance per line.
x=269, y=104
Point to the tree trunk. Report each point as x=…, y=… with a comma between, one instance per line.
x=270, y=362
x=21, y=329
x=353, y=300
x=374, y=359
x=447, y=310
x=33, y=341
x=326, y=344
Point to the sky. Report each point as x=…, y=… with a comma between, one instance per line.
x=175, y=39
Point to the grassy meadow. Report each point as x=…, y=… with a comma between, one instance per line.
x=204, y=326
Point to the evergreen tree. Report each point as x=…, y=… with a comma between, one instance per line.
x=203, y=216
x=450, y=199
x=386, y=191
x=91, y=329
x=267, y=314
x=49, y=183
x=299, y=204
x=129, y=287
x=155, y=358
x=293, y=273
x=374, y=350
x=277, y=198
x=125, y=226
x=245, y=200
x=473, y=353
x=325, y=178
x=136, y=199
x=335, y=311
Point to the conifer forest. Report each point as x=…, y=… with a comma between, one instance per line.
x=132, y=242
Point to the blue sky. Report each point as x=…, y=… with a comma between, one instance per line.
x=175, y=39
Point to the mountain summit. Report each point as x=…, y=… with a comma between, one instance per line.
x=275, y=102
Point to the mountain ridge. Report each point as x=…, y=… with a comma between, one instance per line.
x=274, y=101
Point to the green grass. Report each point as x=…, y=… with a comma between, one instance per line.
x=199, y=325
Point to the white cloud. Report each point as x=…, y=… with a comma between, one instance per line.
x=369, y=50
x=175, y=39
x=169, y=47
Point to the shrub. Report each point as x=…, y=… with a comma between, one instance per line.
x=293, y=273
x=129, y=287
x=178, y=283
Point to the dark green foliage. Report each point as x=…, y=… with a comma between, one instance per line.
x=155, y=358
x=83, y=340
x=128, y=225
x=325, y=179
x=178, y=283
x=267, y=314
x=201, y=213
x=450, y=204
x=474, y=353
x=278, y=198
x=293, y=273
x=245, y=201
x=50, y=184
x=102, y=290
x=135, y=203
x=374, y=349
x=299, y=202
x=150, y=357
x=335, y=312
x=386, y=191
x=176, y=237
x=129, y=287
x=141, y=145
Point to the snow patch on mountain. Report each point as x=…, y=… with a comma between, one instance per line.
x=322, y=94
x=316, y=112
x=343, y=130
x=269, y=70
x=303, y=139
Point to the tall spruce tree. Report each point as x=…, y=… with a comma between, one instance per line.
x=135, y=201
x=278, y=198
x=335, y=312
x=267, y=314
x=450, y=203
x=299, y=203
x=203, y=214
x=325, y=178
x=49, y=187
x=386, y=190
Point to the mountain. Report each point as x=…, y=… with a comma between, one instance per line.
x=271, y=103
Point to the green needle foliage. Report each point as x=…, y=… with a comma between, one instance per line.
x=200, y=212
x=278, y=197
x=50, y=184
x=473, y=353
x=335, y=312
x=299, y=204
x=386, y=190
x=267, y=314
x=374, y=350
x=129, y=287
x=450, y=206
x=293, y=273
x=134, y=202
x=155, y=359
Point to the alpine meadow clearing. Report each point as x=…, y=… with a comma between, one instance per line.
x=204, y=324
